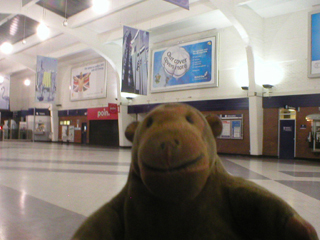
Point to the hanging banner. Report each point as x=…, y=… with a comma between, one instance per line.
x=135, y=54
x=185, y=66
x=104, y=113
x=180, y=3
x=5, y=92
x=46, y=79
x=88, y=81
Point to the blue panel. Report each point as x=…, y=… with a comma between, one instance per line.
x=6, y=114
x=208, y=105
x=310, y=100
x=73, y=112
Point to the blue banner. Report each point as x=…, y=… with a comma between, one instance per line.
x=180, y=3
x=135, y=55
x=190, y=65
x=46, y=79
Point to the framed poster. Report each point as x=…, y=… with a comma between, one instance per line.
x=314, y=45
x=88, y=81
x=185, y=66
x=5, y=92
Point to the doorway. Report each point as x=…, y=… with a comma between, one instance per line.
x=287, y=133
x=104, y=132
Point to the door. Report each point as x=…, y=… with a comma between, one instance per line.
x=287, y=139
x=84, y=133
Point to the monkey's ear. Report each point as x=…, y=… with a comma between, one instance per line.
x=215, y=124
x=130, y=130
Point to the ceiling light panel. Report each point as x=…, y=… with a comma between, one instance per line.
x=58, y=6
x=13, y=30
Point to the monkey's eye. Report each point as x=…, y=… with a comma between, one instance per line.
x=149, y=122
x=189, y=119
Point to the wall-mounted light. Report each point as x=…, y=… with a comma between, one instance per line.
x=27, y=82
x=267, y=86
x=6, y=48
x=245, y=88
x=1, y=79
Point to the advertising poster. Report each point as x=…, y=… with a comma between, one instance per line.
x=5, y=92
x=88, y=81
x=315, y=45
x=135, y=61
x=46, y=79
x=180, y=3
x=185, y=66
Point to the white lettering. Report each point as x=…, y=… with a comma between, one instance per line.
x=103, y=113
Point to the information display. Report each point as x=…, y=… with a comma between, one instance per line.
x=232, y=126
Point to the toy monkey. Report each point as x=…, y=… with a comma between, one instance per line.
x=178, y=189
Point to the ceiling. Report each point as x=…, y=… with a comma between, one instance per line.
x=92, y=34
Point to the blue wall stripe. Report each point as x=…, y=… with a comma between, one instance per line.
x=310, y=100
x=207, y=105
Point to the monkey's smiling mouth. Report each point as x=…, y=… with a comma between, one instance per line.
x=174, y=169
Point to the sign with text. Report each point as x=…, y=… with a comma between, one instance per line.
x=185, y=66
x=104, y=113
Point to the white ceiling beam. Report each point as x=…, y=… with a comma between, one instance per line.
x=73, y=49
x=27, y=61
x=82, y=34
x=243, y=2
x=167, y=18
x=12, y=6
x=227, y=7
x=89, y=15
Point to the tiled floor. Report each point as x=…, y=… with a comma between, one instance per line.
x=47, y=190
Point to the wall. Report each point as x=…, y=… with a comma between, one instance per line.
x=270, y=131
x=286, y=43
x=231, y=53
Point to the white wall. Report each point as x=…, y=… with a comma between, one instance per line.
x=282, y=40
x=286, y=43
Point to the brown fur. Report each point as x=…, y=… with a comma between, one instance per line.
x=178, y=189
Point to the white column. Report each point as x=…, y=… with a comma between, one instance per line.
x=255, y=108
x=124, y=119
x=54, y=123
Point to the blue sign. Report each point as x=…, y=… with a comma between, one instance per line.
x=190, y=65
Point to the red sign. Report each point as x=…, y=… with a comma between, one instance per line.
x=104, y=113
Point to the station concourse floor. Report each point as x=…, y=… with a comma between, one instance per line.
x=48, y=189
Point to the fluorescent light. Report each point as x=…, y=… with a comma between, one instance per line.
x=43, y=31
x=1, y=79
x=6, y=48
x=100, y=6
x=27, y=82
